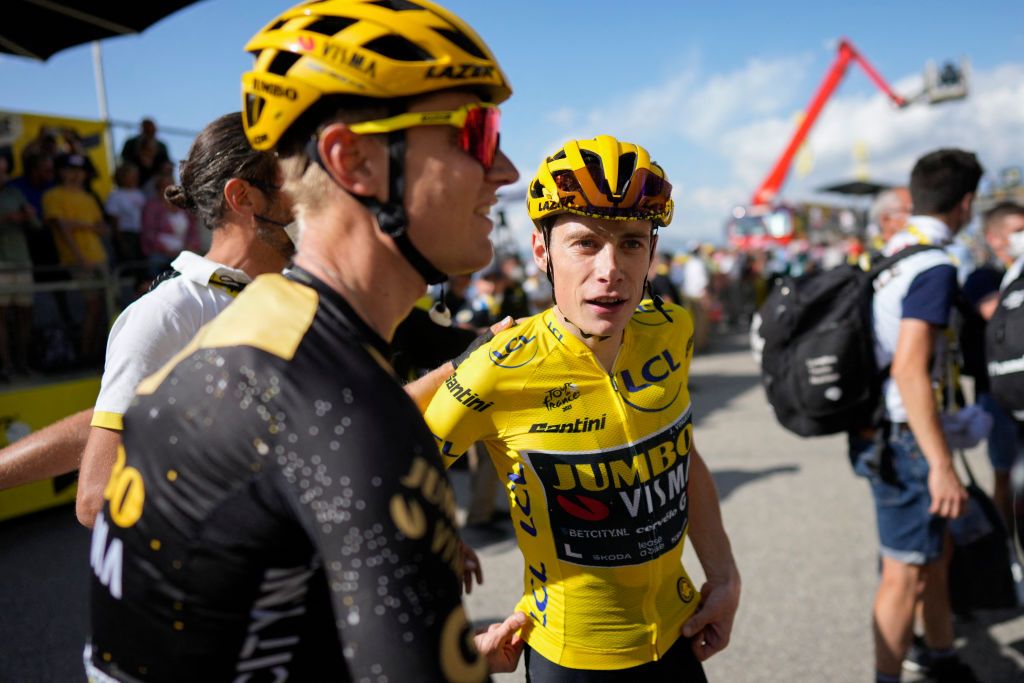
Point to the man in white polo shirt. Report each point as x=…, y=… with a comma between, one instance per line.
x=913, y=482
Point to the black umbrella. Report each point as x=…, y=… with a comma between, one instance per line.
x=40, y=28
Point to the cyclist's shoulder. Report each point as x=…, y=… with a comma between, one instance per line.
x=650, y=323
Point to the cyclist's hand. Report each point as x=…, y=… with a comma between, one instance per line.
x=501, y=644
x=711, y=625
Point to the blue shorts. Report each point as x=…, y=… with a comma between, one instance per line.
x=1003, y=446
x=907, y=532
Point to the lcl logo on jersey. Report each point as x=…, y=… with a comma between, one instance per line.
x=653, y=372
x=515, y=353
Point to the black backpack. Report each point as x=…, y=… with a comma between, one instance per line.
x=818, y=359
x=1004, y=349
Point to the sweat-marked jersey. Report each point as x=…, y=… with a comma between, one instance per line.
x=596, y=467
x=266, y=521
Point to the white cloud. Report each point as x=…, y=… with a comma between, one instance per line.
x=718, y=135
x=689, y=104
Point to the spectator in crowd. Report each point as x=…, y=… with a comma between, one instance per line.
x=43, y=144
x=696, y=297
x=910, y=465
x=1004, y=234
x=124, y=207
x=17, y=217
x=658, y=277
x=514, y=301
x=167, y=230
x=146, y=151
x=488, y=293
x=78, y=227
x=71, y=142
x=37, y=177
x=456, y=295
x=889, y=214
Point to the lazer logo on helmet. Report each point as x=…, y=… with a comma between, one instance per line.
x=621, y=506
x=459, y=72
x=353, y=59
x=274, y=90
x=553, y=204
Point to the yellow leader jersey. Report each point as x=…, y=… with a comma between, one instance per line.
x=596, y=467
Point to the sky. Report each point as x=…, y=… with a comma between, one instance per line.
x=713, y=89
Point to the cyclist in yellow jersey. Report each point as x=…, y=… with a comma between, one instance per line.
x=586, y=412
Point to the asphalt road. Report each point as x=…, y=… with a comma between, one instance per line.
x=801, y=525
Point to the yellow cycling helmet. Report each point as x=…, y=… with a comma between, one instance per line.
x=603, y=178
x=381, y=49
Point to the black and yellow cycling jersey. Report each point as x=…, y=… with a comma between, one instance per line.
x=279, y=511
x=596, y=468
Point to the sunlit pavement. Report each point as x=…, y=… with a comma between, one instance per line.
x=801, y=525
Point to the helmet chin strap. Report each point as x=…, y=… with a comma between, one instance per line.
x=390, y=214
x=585, y=335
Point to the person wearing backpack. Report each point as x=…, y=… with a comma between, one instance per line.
x=916, y=489
x=1003, y=227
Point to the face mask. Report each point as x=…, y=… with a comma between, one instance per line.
x=292, y=230
x=1016, y=242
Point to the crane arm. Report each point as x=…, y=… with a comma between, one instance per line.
x=847, y=53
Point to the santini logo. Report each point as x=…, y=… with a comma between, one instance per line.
x=582, y=424
x=466, y=396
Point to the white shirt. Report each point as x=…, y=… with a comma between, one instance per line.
x=126, y=206
x=695, y=277
x=1012, y=274
x=921, y=287
x=150, y=331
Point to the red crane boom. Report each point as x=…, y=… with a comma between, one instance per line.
x=773, y=182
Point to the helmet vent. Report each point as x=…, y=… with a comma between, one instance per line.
x=282, y=62
x=277, y=24
x=566, y=182
x=560, y=154
x=463, y=41
x=330, y=26
x=396, y=5
x=253, y=109
x=536, y=190
x=397, y=47
x=627, y=164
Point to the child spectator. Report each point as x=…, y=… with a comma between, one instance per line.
x=76, y=219
x=124, y=206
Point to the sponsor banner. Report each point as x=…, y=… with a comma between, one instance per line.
x=620, y=506
x=19, y=130
x=25, y=409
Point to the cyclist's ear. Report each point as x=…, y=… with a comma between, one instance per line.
x=540, y=250
x=358, y=163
